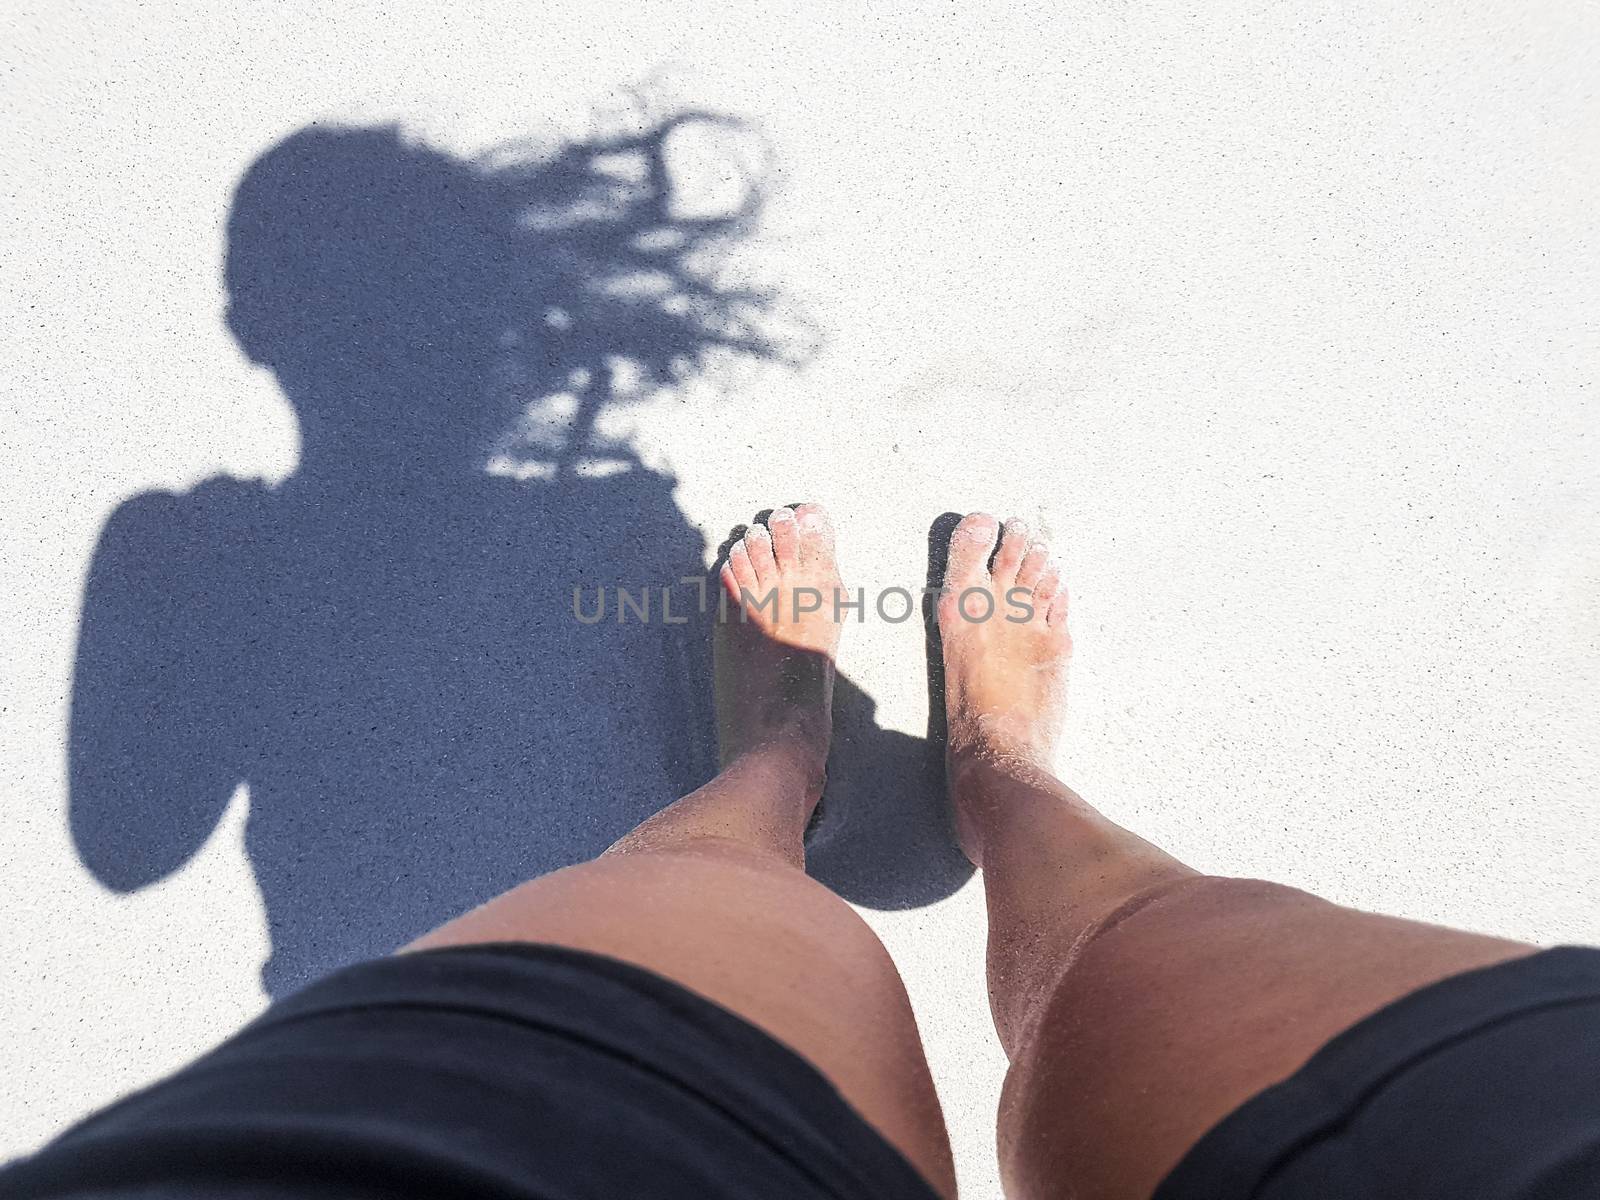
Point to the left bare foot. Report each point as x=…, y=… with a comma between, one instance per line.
x=775, y=647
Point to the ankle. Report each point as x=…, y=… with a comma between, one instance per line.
x=1000, y=793
x=997, y=732
x=792, y=754
x=987, y=755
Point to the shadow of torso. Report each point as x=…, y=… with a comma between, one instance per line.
x=384, y=648
x=402, y=683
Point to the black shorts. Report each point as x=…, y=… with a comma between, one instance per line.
x=508, y=1071
x=1483, y=1086
x=530, y=1071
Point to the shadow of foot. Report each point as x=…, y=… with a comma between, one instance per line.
x=886, y=838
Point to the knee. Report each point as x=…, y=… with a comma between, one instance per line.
x=726, y=888
x=1166, y=966
x=1170, y=926
x=674, y=836
x=1191, y=901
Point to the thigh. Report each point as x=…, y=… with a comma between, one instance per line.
x=1185, y=1003
x=760, y=938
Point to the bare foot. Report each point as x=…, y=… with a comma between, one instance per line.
x=776, y=644
x=1006, y=647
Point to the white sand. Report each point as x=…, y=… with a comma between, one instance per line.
x=1282, y=319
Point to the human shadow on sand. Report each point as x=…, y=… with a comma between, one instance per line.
x=383, y=646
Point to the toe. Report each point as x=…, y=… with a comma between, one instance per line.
x=1057, y=617
x=1013, y=546
x=758, y=545
x=1044, y=592
x=1033, y=564
x=970, y=546
x=785, y=531
x=739, y=572
x=816, y=533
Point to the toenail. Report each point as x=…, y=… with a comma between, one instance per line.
x=781, y=514
x=811, y=520
x=980, y=532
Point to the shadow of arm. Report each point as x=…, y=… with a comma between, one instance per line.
x=152, y=752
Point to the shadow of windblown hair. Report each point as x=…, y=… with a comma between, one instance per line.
x=573, y=273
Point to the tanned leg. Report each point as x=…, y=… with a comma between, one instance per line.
x=711, y=892
x=1138, y=1000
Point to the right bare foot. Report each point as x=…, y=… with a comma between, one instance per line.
x=1006, y=647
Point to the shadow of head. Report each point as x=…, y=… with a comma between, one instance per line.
x=414, y=303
